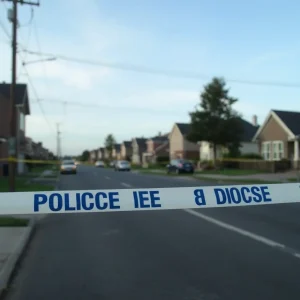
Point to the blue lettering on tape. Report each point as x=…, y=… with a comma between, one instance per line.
x=83, y=201
x=237, y=195
x=199, y=197
x=146, y=199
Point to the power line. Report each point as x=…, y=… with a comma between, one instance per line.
x=168, y=73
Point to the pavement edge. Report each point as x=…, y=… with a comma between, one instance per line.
x=10, y=265
x=14, y=258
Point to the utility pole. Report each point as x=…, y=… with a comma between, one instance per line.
x=13, y=147
x=58, y=142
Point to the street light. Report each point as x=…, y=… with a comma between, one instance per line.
x=39, y=60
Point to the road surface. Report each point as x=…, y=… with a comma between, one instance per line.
x=176, y=255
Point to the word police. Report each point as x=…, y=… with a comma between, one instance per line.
x=143, y=199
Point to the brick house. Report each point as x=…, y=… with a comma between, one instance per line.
x=180, y=147
x=21, y=110
x=126, y=150
x=157, y=147
x=139, y=146
x=278, y=137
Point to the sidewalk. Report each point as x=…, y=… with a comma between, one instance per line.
x=13, y=240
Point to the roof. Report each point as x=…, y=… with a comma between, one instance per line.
x=160, y=138
x=21, y=94
x=127, y=143
x=249, y=131
x=291, y=119
x=141, y=141
x=184, y=128
x=118, y=147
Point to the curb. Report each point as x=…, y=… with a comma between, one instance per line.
x=14, y=258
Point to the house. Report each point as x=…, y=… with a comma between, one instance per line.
x=157, y=147
x=116, y=153
x=247, y=143
x=278, y=137
x=93, y=156
x=126, y=150
x=180, y=147
x=20, y=112
x=100, y=155
x=139, y=146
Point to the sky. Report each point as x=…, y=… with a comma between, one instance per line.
x=253, y=41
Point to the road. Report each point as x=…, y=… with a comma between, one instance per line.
x=177, y=255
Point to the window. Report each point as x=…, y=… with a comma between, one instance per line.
x=278, y=150
x=266, y=150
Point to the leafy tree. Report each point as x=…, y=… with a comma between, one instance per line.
x=109, y=144
x=214, y=120
x=85, y=155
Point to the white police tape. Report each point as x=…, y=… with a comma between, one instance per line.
x=147, y=199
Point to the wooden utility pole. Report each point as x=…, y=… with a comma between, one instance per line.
x=13, y=142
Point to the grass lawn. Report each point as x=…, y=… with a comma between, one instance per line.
x=233, y=180
x=13, y=222
x=230, y=172
x=22, y=185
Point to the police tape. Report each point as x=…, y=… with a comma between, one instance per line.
x=30, y=161
x=147, y=199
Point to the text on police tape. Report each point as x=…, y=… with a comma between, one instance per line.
x=147, y=199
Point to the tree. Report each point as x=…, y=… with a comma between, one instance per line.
x=214, y=120
x=85, y=155
x=109, y=144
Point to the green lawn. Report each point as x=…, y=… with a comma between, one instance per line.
x=235, y=180
x=230, y=172
x=13, y=222
x=23, y=185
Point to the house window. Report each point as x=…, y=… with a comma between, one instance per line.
x=266, y=150
x=278, y=150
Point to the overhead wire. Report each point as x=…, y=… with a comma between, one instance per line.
x=29, y=79
x=154, y=71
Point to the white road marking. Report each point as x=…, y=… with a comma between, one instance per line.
x=246, y=233
x=126, y=184
x=106, y=177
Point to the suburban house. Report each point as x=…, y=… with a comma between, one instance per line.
x=116, y=152
x=126, y=150
x=278, y=137
x=139, y=146
x=180, y=147
x=157, y=146
x=20, y=112
x=93, y=156
x=247, y=143
x=100, y=153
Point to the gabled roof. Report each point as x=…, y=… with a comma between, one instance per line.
x=249, y=131
x=117, y=147
x=288, y=120
x=184, y=128
x=141, y=141
x=21, y=94
x=127, y=143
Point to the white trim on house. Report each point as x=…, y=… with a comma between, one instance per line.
x=279, y=121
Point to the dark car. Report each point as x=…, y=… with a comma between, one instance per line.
x=180, y=166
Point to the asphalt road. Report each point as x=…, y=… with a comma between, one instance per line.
x=175, y=255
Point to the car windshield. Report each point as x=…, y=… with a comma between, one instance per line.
x=68, y=162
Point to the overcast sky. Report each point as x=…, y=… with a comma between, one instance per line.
x=252, y=40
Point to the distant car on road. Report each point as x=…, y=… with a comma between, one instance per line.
x=68, y=167
x=180, y=166
x=122, y=165
x=99, y=164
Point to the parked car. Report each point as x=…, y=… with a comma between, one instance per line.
x=122, y=165
x=68, y=167
x=99, y=164
x=180, y=166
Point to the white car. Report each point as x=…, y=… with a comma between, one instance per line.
x=122, y=165
x=68, y=167
x=99, y=164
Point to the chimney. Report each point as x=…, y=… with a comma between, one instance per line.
x=254, y=120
